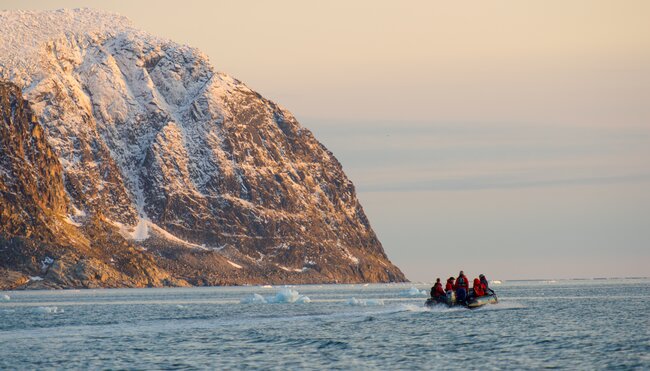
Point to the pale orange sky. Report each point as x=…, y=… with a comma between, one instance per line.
x=514, y=129
x=587, y=62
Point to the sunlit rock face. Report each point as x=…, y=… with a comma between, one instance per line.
x=218, y=184
x=38, y=236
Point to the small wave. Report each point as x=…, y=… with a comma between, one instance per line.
x=414, y=308
x=503, y=306
x=335, y=344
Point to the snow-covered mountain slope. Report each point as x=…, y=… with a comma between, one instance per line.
x=183, y=159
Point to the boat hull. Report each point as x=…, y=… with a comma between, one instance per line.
x=473, y=303
x=481, y=301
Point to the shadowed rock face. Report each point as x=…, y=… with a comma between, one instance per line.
x=220, y=185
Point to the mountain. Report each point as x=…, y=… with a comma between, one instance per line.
x=150, y=153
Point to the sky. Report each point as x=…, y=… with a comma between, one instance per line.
x=510, y=138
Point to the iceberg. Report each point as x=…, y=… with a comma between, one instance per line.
x=5, y=298
x=253, y=299
x=364, y=302
x=286, y=295
x=412, y=292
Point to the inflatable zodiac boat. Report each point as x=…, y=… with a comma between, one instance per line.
x=471, y=303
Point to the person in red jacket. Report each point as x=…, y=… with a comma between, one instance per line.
x=436, y=290
x=478, y=288
x=451, y=286
x=462, y=287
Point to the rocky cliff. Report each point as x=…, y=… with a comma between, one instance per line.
x=137, y=144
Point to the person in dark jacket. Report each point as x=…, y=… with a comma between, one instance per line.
x=484, y=282
x=436, y=290
x=462, y=287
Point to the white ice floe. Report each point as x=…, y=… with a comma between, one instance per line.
x=495, y=282
x=253, y=299
x=5, y=298
x=49, y=310
x=412, y=292
x=364, y=302
x=285, y=295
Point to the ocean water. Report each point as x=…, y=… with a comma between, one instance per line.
x=591, y=324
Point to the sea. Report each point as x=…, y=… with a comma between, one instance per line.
x=563, y=324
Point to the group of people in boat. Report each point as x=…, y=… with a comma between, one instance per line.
x=460, y=286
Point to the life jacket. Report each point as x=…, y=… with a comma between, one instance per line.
x=437, y=290
x=478, y=288
x=461, y=281
x=449, y=287
x=484, y=282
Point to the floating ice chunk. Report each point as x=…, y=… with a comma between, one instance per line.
x=267, y=287
x=495, y=282
x=253, y=299
x=287, y=295
x=49, y=310
x=413, y=291
x=364, y=302
x=5, y=298
x=303, y=300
